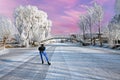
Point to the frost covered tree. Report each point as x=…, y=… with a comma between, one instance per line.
x=86, y=24
x=93, y=17
x=7, y=29
x=83, y=25
x=106, y=32
x=114, y=34
x=114, y=25
x=90, y=22
x=32, y=23
x=98, y=16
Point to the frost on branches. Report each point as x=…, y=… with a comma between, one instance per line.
x=33, y=24
x=114, y=30
x=91, y=19
x=7, y=30
x=114, y=25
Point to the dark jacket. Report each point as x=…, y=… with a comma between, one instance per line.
x=41, y=48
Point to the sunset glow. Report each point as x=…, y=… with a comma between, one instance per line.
x=63, y=13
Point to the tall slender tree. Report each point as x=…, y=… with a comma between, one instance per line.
x=98, y=13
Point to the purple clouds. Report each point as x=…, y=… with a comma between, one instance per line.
x=63, y=13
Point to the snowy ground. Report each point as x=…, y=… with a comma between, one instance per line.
x=69, y=62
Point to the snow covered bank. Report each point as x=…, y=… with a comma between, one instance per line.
x=3, y=51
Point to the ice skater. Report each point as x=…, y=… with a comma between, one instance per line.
x=42, y=52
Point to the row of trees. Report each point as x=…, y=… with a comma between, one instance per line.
x=92, y=20
x=31, y=25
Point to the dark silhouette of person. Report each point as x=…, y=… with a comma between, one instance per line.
x=42, y=52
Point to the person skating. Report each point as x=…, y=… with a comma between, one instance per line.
x=42, y=52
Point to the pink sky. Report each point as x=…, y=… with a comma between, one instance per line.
x=63, y=13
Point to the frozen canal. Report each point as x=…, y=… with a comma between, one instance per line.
x=69, y=62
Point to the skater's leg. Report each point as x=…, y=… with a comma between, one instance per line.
x=44, y=53
x=41, y=57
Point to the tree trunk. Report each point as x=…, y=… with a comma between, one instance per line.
x=91, y=32
x=83, y=33
x=99, y=35
x=94, y=43
x=4, y=41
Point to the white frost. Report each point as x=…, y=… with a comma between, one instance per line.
x=32, y=23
